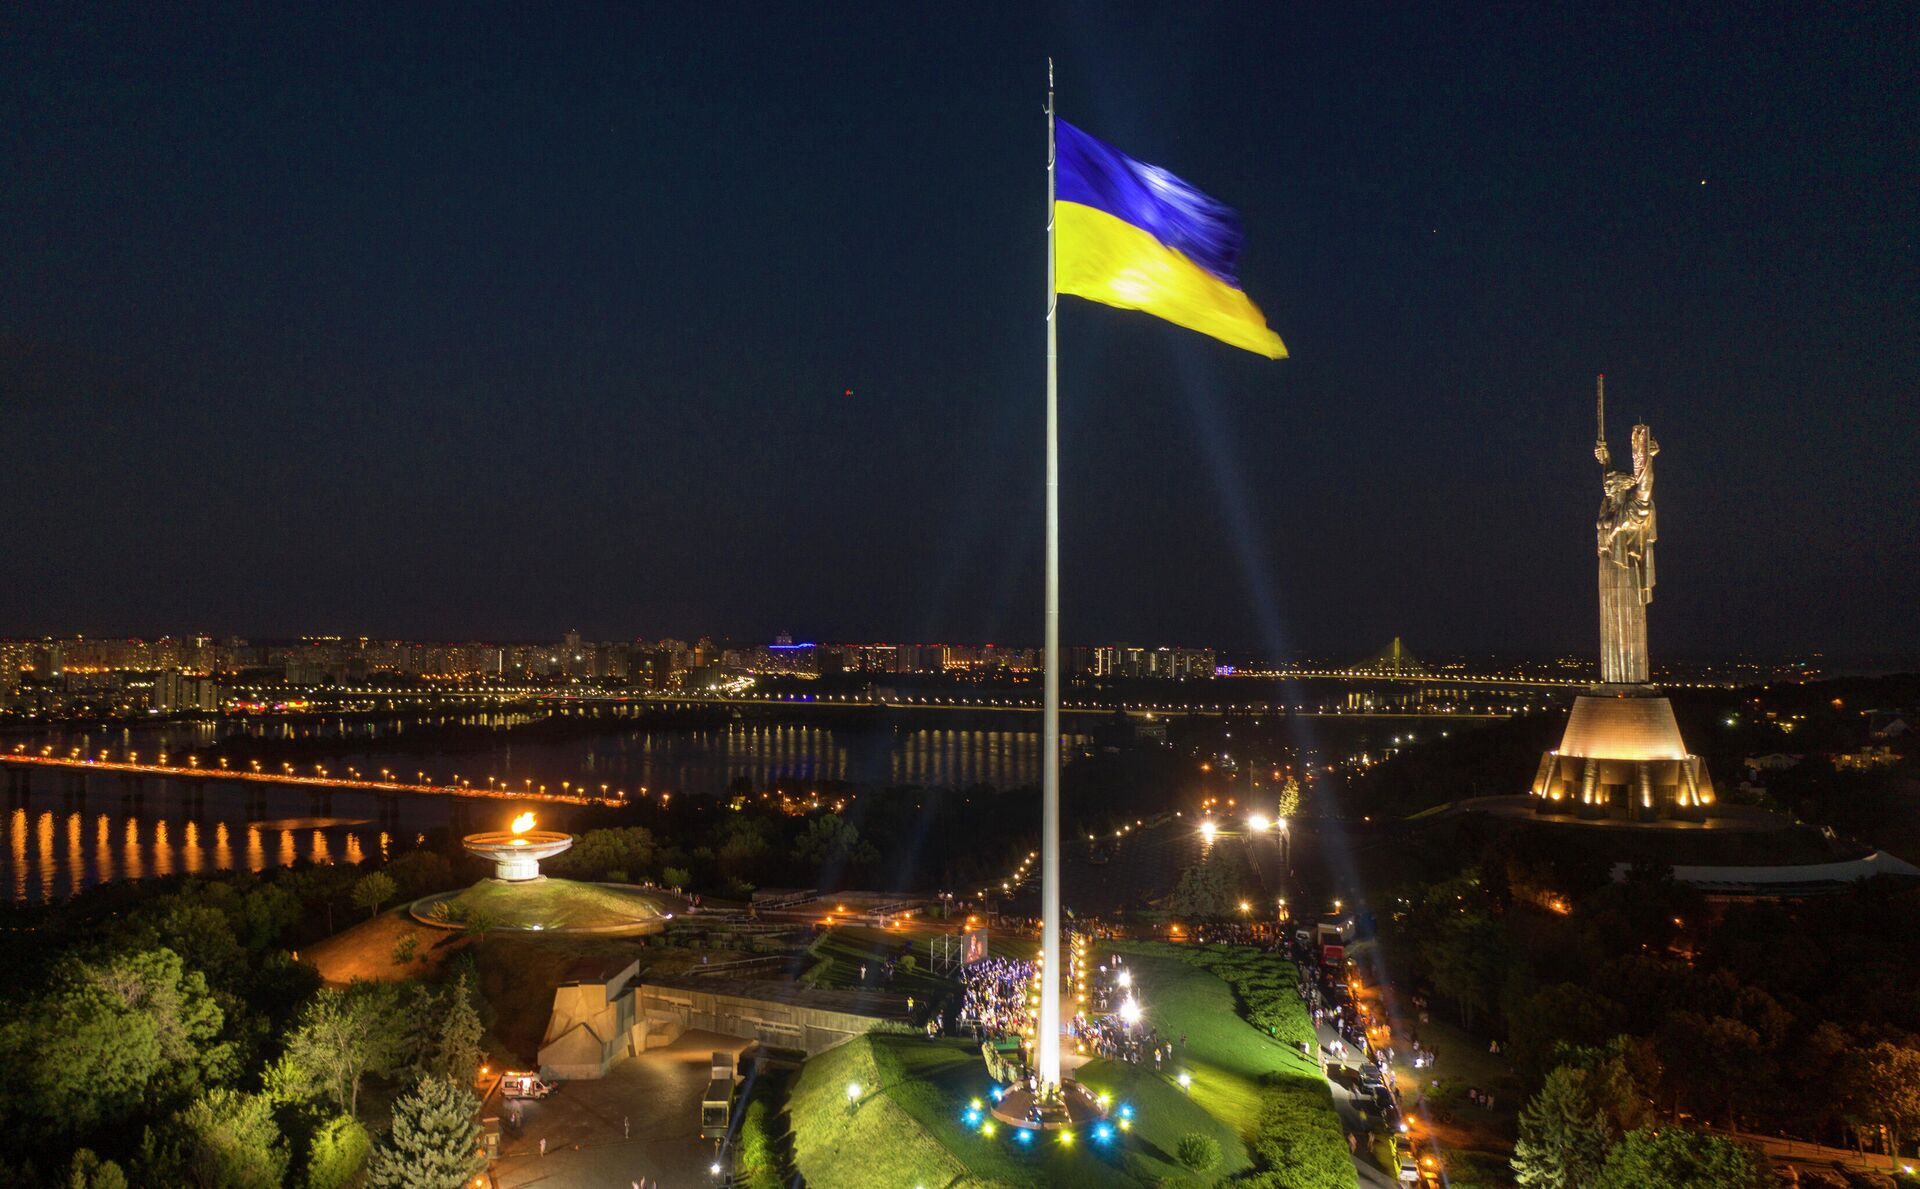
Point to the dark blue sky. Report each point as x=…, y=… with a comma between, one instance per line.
x=478, y=320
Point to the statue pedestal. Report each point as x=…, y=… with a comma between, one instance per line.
x=1622, y=758
x=1075, y=1107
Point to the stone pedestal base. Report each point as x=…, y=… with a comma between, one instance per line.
x=1622, y=758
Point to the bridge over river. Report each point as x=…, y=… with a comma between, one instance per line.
x=70, y=774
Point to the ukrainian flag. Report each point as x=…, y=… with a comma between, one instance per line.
x=1132, y=235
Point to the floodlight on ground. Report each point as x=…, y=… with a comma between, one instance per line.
x=1259, y=824
x=1124, y=978
x=1185, y=1079
x=1130, y=1010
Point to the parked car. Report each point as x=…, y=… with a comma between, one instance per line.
x=524, y=1084
x=1403, y=1159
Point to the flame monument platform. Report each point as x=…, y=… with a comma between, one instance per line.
x=520, y=899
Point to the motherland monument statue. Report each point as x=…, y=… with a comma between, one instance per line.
x=1625, y=533
x=1622, y=756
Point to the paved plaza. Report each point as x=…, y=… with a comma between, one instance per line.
x=641, y=1120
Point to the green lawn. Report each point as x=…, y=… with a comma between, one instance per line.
x=906, y=1126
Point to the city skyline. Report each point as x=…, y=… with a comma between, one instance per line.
x=343, y=353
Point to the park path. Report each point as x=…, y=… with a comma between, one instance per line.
x=1343, y=1073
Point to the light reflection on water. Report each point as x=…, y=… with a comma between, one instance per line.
x=53, y=853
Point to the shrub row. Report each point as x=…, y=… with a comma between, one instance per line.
x=1298, y=1143
x=756, y=1164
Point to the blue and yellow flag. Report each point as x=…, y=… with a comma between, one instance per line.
x=1132, y=235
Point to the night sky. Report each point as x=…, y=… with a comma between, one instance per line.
x=491, y=321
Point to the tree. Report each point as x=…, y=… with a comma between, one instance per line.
x=1467, y=954
x=831, y=842
x=1712, y=1061
x=675, y=877
x=265, y=912
x=1619, y=1079
x=110, y=1040
x=224, y=1140
x=597, y=854
x=744, y=845
x=1894, y=1073
x=1212, y=888
x=373, y=890
x=88, y=1171
x=1563, y=1136
x=1677, y=1158
x=421, y=872
x=1561, y=1013
x=204, y=939
x=324, y=886
x=341, y=1037
x=435, y=1141
x=1198, y=1151
x=337, y=1154
x=454, y=1044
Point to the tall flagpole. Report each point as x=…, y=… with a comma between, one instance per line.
x=1047, y=1043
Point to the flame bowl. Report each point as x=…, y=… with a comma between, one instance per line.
x=516, y=857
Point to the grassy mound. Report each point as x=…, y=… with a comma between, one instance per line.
x=905, y=1126
x=1263, y=1103
x=546, y=905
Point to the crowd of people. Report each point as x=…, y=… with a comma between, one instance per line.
x=994, y=994
x=1114, y=1038
x=1260, y=934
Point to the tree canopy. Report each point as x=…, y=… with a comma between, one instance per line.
x=108, y=1040
x=434, y=1142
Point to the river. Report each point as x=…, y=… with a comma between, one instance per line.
x=57, y=844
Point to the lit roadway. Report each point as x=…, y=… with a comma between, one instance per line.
x=17, y=759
